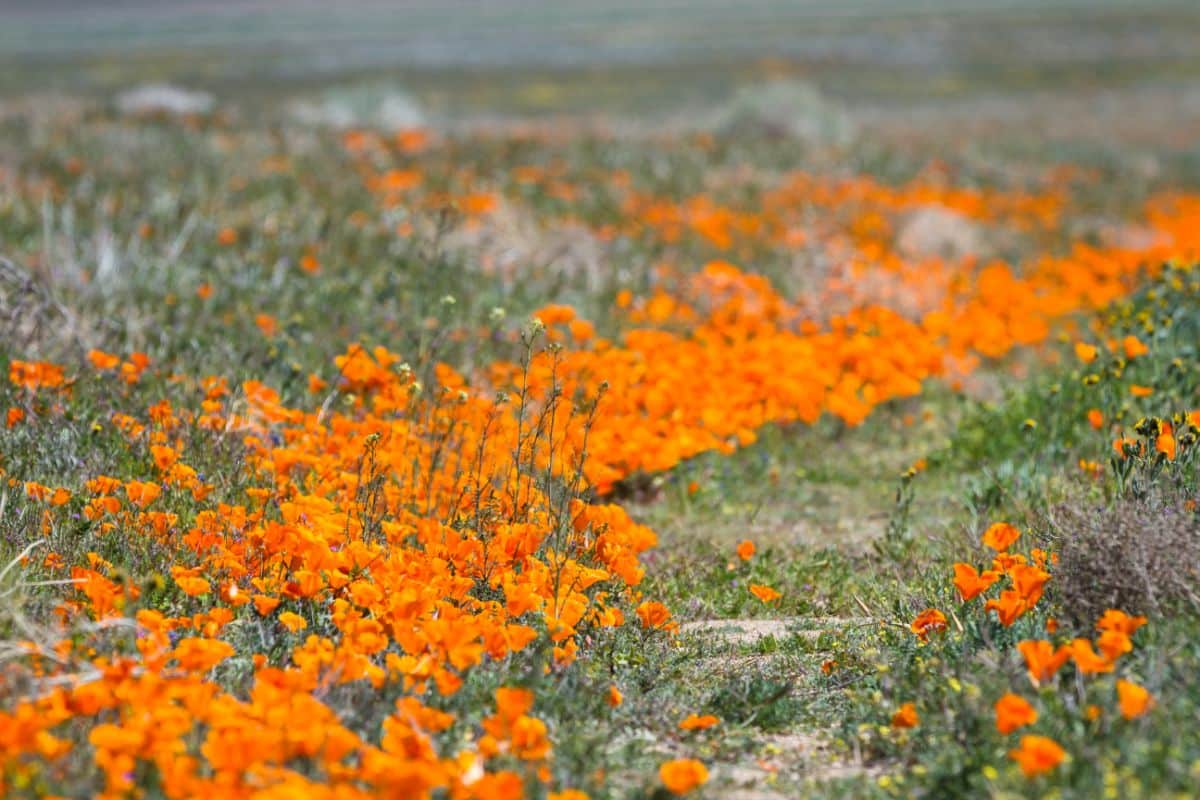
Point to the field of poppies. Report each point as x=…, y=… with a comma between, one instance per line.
x=543, y=459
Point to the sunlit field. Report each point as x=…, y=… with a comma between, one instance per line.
x=575, y=402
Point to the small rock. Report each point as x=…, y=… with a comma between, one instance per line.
x=163, y=98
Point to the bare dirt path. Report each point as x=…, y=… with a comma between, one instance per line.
x=788, y=762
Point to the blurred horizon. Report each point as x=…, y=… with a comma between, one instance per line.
x=1003, y=42
x=942, y=70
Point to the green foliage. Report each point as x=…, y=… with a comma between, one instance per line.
x=1125, y=540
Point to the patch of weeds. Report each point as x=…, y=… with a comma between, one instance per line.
x=757, y=700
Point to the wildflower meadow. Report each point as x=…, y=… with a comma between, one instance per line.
x=437, y=452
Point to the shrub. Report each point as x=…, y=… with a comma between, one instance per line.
x=1139, y=555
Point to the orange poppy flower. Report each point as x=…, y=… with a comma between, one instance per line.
x=1134, y=700
x=292, y=621
x=1005, y=562
x=200, y=655
x=1042, y=660
x=1114, y=644
x=1037, y=754
x=265, y=604
x=764, y=593
x=906, y=717
x=267, y=324
x=164, y=457
x=929, y=620
x=1087, y=660
x=746, y=550
x=529, y=738
x=512, y=702
x=692, y=722
x=1116, y=620
x=36, y=491
x=970, y=582
x=103, y=361
x=682, y=775
x=142, y=493
x=1133, y=347
x=1165, y=443
x=193, y=586
x=654, y=615
x=1009, y=606
x=568, y=794
x=1000, y=536
x=1028, y=582
x=1013, y=712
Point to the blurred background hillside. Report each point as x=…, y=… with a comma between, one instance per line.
x=1073, y=70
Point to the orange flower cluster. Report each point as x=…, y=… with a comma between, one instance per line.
x=744, y=357
x=1038, y=754
x=1027, y=577
x=1116, y=628
x=724, y=353
x=34, y=375
x=399, y=543
x=854, y=219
